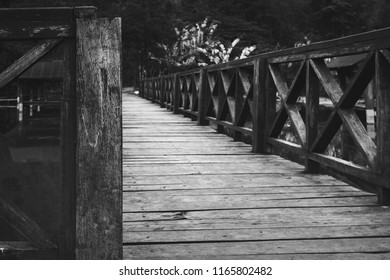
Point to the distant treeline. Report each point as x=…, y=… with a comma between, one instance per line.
x=269, y=24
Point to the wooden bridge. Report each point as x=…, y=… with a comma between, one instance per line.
x=192, y=190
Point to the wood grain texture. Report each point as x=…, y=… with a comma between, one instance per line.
x=383, y=122
x=99, y=140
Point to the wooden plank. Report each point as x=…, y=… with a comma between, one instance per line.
x=280, y=247
x=259, y=218
x=26, y=61
x=34, y=30
x=215, y=168
x=249, y=234
x=99, y=144
x=24, y=225
x=136, y=202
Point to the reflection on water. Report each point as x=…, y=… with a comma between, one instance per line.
x=30, y=160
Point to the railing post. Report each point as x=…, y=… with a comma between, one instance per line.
x=162, y=92
x=259, y=138
x=383, y=124
x=99, y=139
x=202, y=98
x=142, y=89
x=153, y=90
x=148, y=89
x=312, y=107
x=176, y=92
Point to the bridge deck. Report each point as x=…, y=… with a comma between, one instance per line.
x=190, y=193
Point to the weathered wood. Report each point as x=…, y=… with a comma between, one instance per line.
x=259, y=136
x=312, y=107
x=202, y=99
x=99, y=149
x=176, y=94
x=162, y=92
x=34, y=30
x=327, y=80
x=24, y=225
x=249, y=234
x=383, y=124
x=265, y=248
x=26, y=61
x=138, y=202
x=257, y=218
x=288, y=98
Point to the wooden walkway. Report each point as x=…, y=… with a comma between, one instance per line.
x=190, y=193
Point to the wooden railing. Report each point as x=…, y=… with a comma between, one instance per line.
x=302, y=102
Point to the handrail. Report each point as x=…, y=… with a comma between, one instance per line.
x=241, y=96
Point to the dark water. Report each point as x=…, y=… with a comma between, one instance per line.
x=30, y=166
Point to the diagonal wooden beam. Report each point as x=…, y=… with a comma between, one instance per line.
x=359, y=82
x=24, y=225
x=327, y=80
x=243, y=113
x=359, y=134
x=289, y=97
x=26, y=61
x=278, y=123
x=343, y=111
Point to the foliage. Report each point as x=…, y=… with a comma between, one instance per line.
x=197, y=45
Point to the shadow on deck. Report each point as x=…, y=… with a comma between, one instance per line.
x=191, y=193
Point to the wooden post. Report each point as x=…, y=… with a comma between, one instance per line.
x=202, y=98
x=67, y=218
x=259, y=138
x=176, y=93
x=99, y=139
x=312, y=107
x=141, y=88
x=383, y=124
x=162, y=92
